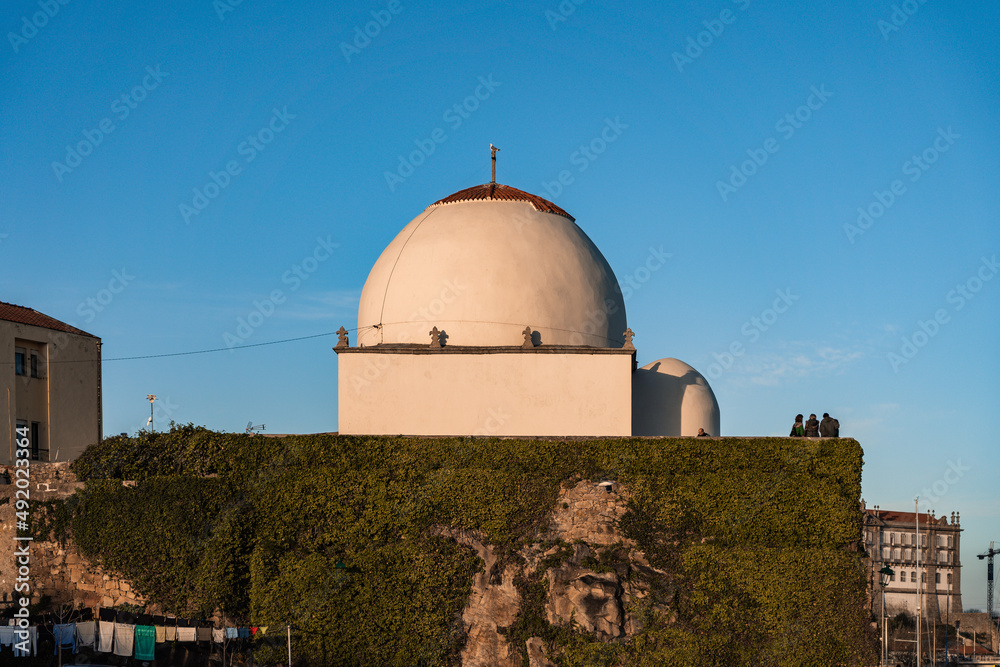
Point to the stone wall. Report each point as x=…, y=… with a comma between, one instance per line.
x=57, y=571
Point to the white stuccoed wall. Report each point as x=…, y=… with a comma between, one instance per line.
x=486, y=392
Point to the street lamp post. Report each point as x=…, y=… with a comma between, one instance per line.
x=151, y=398
x=884, y=575
x=920, y=581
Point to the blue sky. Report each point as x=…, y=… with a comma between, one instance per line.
x=217, y=160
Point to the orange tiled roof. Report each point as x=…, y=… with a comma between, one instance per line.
x=498, y=192
x=905, y=517
x=22, y=315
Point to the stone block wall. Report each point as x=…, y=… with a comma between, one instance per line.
x=57, y=571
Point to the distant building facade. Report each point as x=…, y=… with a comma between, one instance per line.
x=50, y=385
x=891, y=539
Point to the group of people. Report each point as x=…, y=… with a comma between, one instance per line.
x=813, y=428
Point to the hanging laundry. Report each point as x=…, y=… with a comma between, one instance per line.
x=170, y=632
x=187, y=634
x=161, y=633
x=204, y=633
x=6, y=635
x=219, y=635
x=65, y=635
x=105, y=636
x=145, y=642
x=231, y=633
x=124, y=639
x=85, y=634
x=253, y=630
x=25, y=641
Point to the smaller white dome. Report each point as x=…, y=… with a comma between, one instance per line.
x=670, y=398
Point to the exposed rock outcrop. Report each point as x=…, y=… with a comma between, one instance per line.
x=492, y=607
x=581, y=592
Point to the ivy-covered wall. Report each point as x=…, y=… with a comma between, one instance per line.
x=749, y=543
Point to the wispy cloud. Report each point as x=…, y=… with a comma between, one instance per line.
x=795, y=360
x=323, y=306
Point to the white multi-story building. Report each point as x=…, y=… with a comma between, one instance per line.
x=890, y=538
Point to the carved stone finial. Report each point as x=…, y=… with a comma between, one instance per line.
x=343, y=342
x=628, y=340
x=527, y=344
x=435, y=337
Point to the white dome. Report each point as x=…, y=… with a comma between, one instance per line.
x=673, y=399
x=483, y=264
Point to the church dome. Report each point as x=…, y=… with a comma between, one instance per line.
x=483, y=264
x=670, y=398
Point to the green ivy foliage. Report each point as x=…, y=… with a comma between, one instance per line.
x=333, y=535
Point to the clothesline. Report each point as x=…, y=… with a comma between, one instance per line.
x=108, y=634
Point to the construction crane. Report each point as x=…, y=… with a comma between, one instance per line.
x=989, y=578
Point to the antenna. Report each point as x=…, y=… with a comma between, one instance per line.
x=254, y=430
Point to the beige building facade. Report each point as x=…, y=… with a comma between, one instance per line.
x=891, y=540
x=50, y=385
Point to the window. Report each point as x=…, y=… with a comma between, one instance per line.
x=34, y=364
x=35, y=441
x=950, y=542
x=913, y=576
x=949, y=578
x=906, y=538
x=937, y=577
x=19, y=368
x=896, y=555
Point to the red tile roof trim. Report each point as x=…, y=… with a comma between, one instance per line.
x=905, y=517
x=22, y=315
x=498, y=192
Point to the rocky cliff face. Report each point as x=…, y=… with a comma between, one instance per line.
x=581, y=592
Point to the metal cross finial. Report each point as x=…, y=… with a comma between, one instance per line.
x=493, y=157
